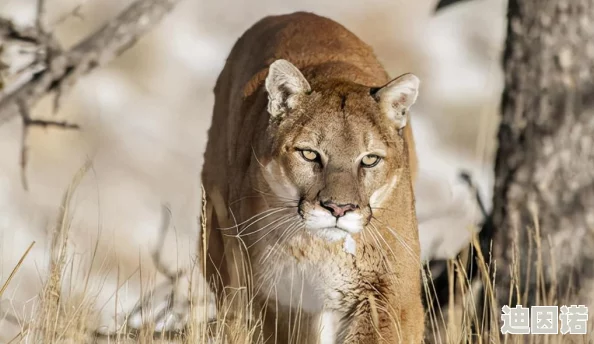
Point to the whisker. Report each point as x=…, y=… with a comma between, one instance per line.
x=382, y=208
x=291, y=230
x=400, y=239
x=264, y=213
x=260, y=229
x=270, y=231
x=273, y=247
x=280, y=202
x=282, y=218
x=375, y=234
x=274, y=195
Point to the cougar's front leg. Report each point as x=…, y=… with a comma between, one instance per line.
x=285, y=325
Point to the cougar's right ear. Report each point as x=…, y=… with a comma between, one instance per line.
x=283, y=84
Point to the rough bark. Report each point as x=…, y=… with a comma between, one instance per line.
x=544, y=174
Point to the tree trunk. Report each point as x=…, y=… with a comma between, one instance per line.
x=544, y=173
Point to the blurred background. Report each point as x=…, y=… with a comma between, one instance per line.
x=144, y=120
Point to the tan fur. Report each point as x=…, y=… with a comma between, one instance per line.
x=251, y=159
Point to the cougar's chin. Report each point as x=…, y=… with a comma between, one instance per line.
x=351, y=223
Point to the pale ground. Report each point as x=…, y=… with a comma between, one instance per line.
x=145, y=117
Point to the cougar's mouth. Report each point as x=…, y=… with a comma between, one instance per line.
x=300, y=208
x=319, y=221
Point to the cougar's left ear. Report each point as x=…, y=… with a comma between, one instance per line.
x=396, y=97
x=283, y=84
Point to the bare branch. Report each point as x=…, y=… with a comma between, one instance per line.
x=24, y=111
x=64, y=68
x=39, y=23
x=446, y=3
x=11, y=31
x=156, y=255
x=55, y=124
x=28, y=122
x=47, y=68
x=74, y=13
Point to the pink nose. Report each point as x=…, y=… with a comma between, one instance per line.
x=338, y=210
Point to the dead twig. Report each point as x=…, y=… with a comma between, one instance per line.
x=441, y=4
x=53, y=70
x=16, y=268
x=29, y=122
x=173, y=276
x=65, y=68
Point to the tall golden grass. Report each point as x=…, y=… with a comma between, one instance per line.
x=470, y=317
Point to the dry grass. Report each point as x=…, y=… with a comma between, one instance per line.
x=471, y=317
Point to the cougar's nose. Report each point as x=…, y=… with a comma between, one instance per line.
x=337, y=210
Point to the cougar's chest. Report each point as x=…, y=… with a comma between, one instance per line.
x=315, y=275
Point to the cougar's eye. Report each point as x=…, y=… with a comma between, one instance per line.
x=310, y=155
x=370, y=160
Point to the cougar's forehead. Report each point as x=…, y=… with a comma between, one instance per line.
x=340, y=123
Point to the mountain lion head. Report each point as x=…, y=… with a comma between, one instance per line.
x=338, y=148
